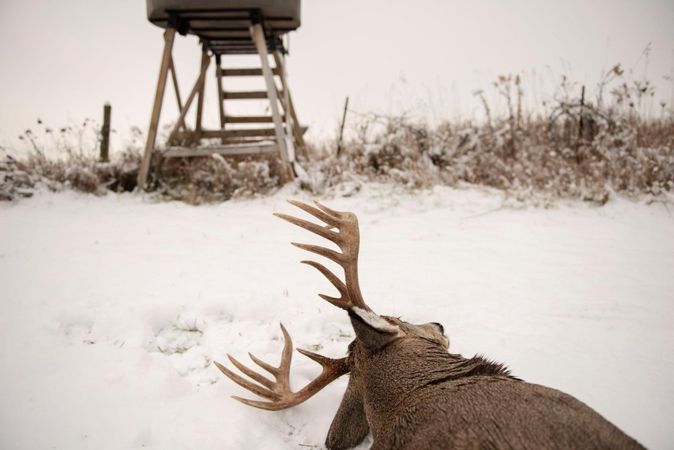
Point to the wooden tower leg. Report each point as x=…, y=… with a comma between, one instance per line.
x=169, y=36
x=297, y=132
x=205, y=61
x=200, y=100
x=261, y=46
x=285, y=101
x=221, y=97
x=176, y=88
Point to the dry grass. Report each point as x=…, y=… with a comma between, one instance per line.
x=199, y=180
x=539, y=158
x=66, y=158
x=569, y=149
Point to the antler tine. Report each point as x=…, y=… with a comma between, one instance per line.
x=268, y=367
x=336, y=282
x=278, y=392
x=269, y=406
x=254, y=388
x=264, y=381
x=283, y=377
x=330, y=219
x=330, y=254
x=330, y=211
x=320, y=359
x=325, y=232
x=347, y=239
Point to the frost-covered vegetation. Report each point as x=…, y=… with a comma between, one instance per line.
x=66, y=158
x=612, y=141
x=573, y=148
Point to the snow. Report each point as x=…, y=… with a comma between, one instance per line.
x=113, y=309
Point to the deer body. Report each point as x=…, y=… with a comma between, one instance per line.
x=444, y=401
x=408, y=390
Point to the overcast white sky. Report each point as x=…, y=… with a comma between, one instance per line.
x=61, y=60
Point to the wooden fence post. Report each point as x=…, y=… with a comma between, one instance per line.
x=341, y=127
x=582, y=112
x=105, y=133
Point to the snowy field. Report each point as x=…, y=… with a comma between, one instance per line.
x=113, y=309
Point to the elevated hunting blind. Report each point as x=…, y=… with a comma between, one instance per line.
x=224, y=28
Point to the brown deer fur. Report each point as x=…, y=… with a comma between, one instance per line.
x=409, y=391
x=412, y=394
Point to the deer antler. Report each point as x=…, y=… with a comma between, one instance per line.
x=347, y=238
x=279, y=392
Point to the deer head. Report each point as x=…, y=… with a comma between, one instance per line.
x=406, y=388
x=373, y=334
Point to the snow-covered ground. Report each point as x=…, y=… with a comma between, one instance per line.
x=113, y=308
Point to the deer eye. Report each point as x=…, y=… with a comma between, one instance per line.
x=439, y=325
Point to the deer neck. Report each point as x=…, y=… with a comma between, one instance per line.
x=391, y=377
x=399, y=375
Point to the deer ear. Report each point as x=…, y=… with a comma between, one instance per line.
x=372, y=330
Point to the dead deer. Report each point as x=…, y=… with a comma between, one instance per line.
x=407, y=389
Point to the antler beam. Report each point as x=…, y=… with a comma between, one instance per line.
x=347, y=238
x=278, y=392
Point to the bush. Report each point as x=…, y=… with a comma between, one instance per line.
x=574, y=150
x=569, y=149
x=199, y=180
